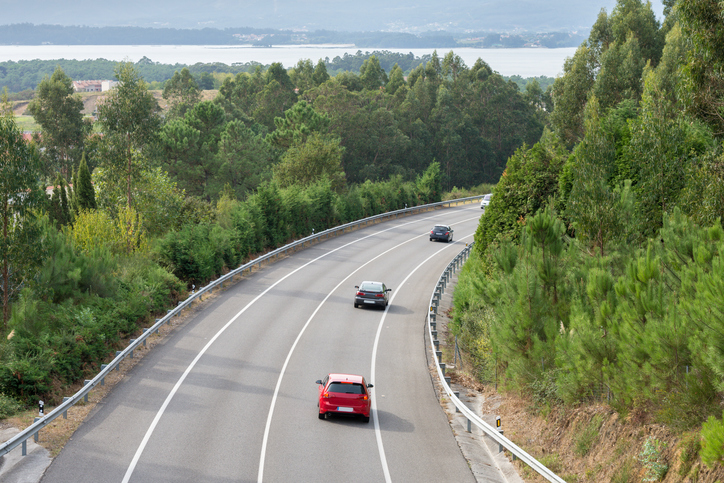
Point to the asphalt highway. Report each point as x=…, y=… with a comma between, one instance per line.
x=231, y=395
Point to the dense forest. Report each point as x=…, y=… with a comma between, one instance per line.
x=147, y=203
x=29, y=34
x=22, y=77
x=598, y=273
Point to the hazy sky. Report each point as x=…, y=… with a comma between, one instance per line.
x=390, y=15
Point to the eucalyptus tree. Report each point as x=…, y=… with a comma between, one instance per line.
x=701, y=24
x=59, y=111
x=130, y=119
x=20, y=196
x=182, y=93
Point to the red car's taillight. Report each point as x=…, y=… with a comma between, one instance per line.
x=325, y=395
x=364, y=398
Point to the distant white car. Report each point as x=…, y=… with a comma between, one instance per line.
x=485, y=201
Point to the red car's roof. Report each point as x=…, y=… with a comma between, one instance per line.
x=346, y=377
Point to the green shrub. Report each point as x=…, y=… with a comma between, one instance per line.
x=651, y=459
x=27, y=376
x=9, y=406
x=712, y=441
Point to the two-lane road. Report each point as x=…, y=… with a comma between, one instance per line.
x=231, y=396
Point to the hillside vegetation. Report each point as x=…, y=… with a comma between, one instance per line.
x=598, y=277
x=157, y=191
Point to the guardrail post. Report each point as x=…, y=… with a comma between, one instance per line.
x=103, y=381
x=65, y=413
x=118, y=366
x=85, y=383
x=447, y=380
x=470, y=429
x=434, y=334
x=442, y=366
x=457, y=395
x=433, y=325
x=155, y=324
x=439, y=355
x=437, y=345
x=144, y=340
x=130, y=342
x=35, y=436
x=25, y=447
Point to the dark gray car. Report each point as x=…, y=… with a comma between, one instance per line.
x=441, y=232
x=375, y=294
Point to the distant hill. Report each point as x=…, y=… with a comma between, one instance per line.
x=339, y=15
x=28, y=34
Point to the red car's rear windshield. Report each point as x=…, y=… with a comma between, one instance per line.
x=346, y=388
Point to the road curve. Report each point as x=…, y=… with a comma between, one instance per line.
x=230, y=396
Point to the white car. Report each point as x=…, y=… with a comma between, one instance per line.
x=485, y=201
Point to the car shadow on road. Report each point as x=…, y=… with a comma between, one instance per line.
x=393, y=309
x=388, y=422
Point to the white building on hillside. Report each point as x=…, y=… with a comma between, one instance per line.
x=94, y=85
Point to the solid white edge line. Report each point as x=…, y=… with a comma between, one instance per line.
x=378, y=432
x=383, y=459
x=162, y=409
x=291, y=350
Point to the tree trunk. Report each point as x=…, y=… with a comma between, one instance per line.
x=129, y=170
x=5, y=271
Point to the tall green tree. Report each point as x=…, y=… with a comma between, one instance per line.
x=701, y=24
x=309, y=162
x=59, y=207
x=84, y=196
x=600, y=212
x=297, y=124
x=130, y=120
x=372, y=74
x=20, y=196
x=190, y=146
x=302, y=75
x=320, y=75
x=58, y=110
x=182, y=93
x=276, y=96
x=244, y=161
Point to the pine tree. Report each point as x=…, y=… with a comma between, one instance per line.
x=84, y=194
x=64, y=204
x=56, y=207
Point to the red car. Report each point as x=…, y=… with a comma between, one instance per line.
x=344, y=394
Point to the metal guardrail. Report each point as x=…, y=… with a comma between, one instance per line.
x=492, y=432
x=21, y=438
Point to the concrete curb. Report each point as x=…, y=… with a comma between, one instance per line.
x=15, y=468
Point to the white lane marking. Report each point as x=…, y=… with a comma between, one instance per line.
x=289, y=355
x=383, y=459
x=176, y=387
x=378, y=432
x=162, y=409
